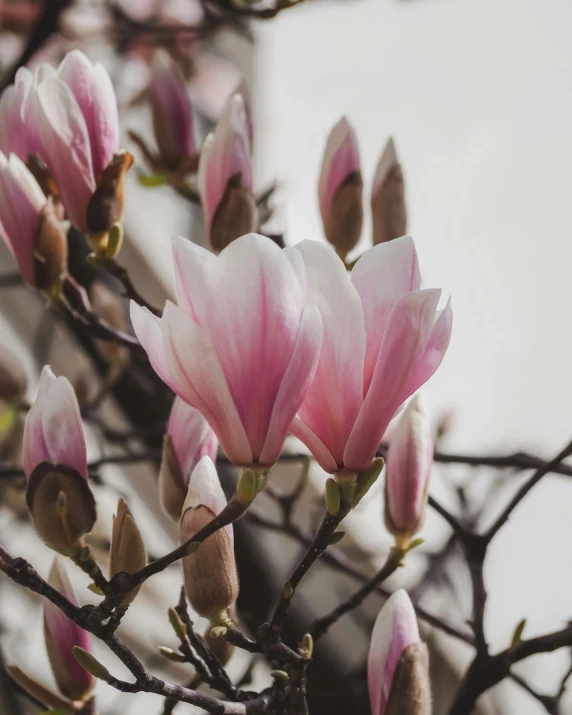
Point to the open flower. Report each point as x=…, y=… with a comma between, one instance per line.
x=397, y=665
x=225, y=178
x=72, y=113
x=30, y=227
x=407, y=471
x=241, y=346
x=340, y=188
x=61, y=635
x=188, y=439
x=211, y=580
x=383, y=339
x=54, y=455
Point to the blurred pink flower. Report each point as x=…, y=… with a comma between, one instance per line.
x=383, y=339
x=61, y=635
x=15, y=135
x=53, y=431
x=241, y=346
x=408, y=468
x=395, y=629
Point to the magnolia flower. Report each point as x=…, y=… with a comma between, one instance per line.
x=242, y=345
x=15, y=135
x=225, y=178
x=188, y=439
x=72, y=113
x=383, y=339
x=172, y=113
x=127, y=552
x=388, y=212
x=340, y=188
x=55, y=464
x=30, y=228
x=408, y=467
x=211, y=581
x=397, y=666
x=61, y=635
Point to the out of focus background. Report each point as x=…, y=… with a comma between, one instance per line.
x=477, y=95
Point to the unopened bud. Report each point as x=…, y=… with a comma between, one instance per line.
x=127, y=551
x=90, y=663
x=62, y=506
x=172, y=655
x=411, y=689
x=51, y=248
x=211, y=580
x=307, y=646
x=177, y=624
x=340, y=189
x=106, y=205
x=235, y=215
x=389, y=215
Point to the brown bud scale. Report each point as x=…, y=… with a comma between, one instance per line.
x=235, y=215
x=344, y=223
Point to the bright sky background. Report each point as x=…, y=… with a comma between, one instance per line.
x=477, y=95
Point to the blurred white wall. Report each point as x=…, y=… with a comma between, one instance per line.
x=477, y=95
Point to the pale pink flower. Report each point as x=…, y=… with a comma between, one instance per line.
x=341, y=160
x=191, y=436
x=72, y=113
x=408, y=468
x=383, y=339
x=242, y=344
x=15, y=135
x=395, y=629
x=225, y=157
x=61, y=635
x=21, y=204
x=53, y=431
x=172, y=112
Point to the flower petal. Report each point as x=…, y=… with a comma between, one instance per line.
x=341, y=158
x=191, y=436
x=34, y=447
x=412, y=349
x=147, y=328
x=317, y=448
x=335, y=396
x=205, y=489
x=195, y=268
x=297, y=377
x=198, y=379
x=381, y=277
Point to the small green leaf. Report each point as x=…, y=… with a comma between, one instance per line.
x=333, y=496
x=150, y=181
x=177, y=624
x=95, y=589
x=287, y=590
x=246, y=487
x=89, y=663
x=517, y=635
x=414, y=544
x=366, y=479
x=337, y=536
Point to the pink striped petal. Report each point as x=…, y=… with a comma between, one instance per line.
x=395, y=628
x=198, y=378
x=295, y=382
x=335, y=396
x=413, y=346
x=34, y=447
x=381, y=277
x=147, y=328
x=341, y=158
x=64, y=634
x=195, y=271
x=191, y=436
x=317, y=448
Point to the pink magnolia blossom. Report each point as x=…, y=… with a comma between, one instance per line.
x=21, y=205
x=191, y=436
x=341, y=160
x=242, y=344
x=408, y=467
x=72, y=113
x=53, y=431
x=395, y=629
x=61, y=635
x=383, y=339
x=15, y=135
x=226, y=155
x=172, y=112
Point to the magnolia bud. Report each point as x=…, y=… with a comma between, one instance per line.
x=109, y=307
x=30, y=226
x=340, y=189
x=188, y=439
x=62, y=635
x=105, y=207
x=225, y=178
x=408, y=467
x=127, y=551
x=398, y=664
x=54, y=455
x=211, y=580
x=13, y=380
x=172, y=113
x=388, y=209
